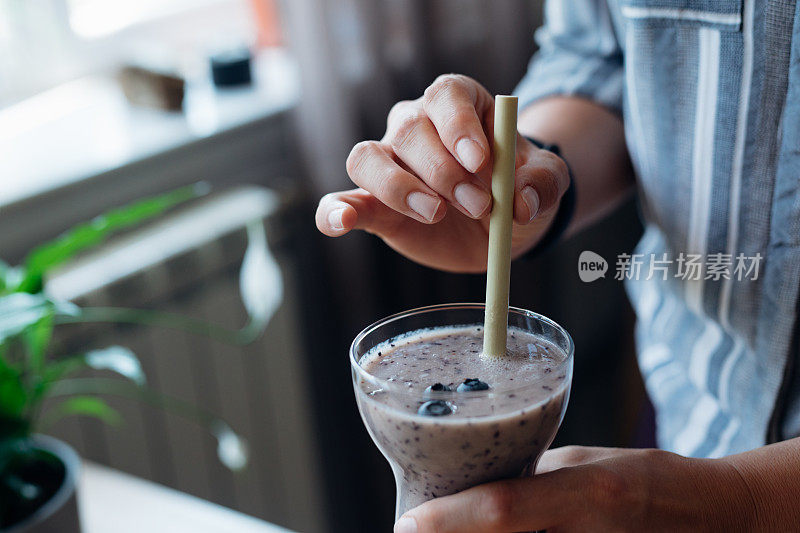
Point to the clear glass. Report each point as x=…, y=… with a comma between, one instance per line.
x=437, y=456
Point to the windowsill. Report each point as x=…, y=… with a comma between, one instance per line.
x=85, y=128
x=114, y=501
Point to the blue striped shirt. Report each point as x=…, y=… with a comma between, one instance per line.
x=709, y=92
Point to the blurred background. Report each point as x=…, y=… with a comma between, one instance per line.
x=105, y=101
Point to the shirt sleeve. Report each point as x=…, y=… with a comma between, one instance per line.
x=579, y=55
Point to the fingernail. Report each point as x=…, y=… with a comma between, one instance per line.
x=335, y=219
x=423, y=204
x=470, y=154
x=406, y=524
x=531, y=200
x=472, y=198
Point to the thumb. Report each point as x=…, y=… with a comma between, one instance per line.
x=340, y=212
x=542, y=177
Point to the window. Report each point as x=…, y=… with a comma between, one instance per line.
x=46, y=42
x=97, y=18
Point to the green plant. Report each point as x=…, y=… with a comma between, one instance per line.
x=31, y=374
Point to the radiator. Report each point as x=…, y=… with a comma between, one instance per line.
x=188, y=263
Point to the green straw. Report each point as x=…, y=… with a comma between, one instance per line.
x=498, y=270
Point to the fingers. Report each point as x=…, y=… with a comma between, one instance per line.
x=505, y=506
x=340, y=212
x=416, y=142
x=541, y=179
x=455, y=105
x=372, y=167
x=567, y=456
x=429, y=158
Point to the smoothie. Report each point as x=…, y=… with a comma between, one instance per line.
x=448, y=418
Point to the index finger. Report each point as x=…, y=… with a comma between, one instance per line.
x=456, y=104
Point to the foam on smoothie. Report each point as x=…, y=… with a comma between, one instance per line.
x=528, y=374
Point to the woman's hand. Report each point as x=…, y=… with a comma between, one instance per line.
x=598, y=489
x=425, y=187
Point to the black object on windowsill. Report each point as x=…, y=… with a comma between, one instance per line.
x=232, y=68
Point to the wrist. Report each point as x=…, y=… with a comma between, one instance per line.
x=730, y=493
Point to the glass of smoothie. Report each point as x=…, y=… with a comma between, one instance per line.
x=445, y=416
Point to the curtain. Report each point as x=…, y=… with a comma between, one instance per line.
x=358, y=57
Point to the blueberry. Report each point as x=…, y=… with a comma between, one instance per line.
x=438, y=387
x=434, y=408
x=472, y=384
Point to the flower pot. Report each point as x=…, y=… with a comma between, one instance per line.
x=60, y=512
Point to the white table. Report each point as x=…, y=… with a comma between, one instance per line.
x=111, y=501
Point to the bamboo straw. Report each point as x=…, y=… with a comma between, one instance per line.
x=498, y=271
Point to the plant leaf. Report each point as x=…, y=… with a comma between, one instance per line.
x=94, y=232
x=231, y=448
x=85, y=406
x=260, y=283
x=12, y=427
x=66, y=308
x=12, y=276
x=117, y=359
x=51, y=373
x=13, y=397
x=19, y=311
x=4, y=268
x=37, y=339
x=9, y=277
x=60, y=368
x=21, y=489
x=260, y=280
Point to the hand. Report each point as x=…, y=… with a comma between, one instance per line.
x=425, y=187
x=598, y=489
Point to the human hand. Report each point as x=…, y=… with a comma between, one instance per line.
x=597, y=489
x=425, y=187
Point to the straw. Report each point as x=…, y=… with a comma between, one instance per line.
x=498, y=270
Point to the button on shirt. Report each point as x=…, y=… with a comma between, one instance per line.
x=709, y=92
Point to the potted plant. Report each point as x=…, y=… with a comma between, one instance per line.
x=38, y=474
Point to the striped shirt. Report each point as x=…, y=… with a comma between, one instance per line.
x=709, y=92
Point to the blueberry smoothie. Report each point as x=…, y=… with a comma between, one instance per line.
x=448, y=418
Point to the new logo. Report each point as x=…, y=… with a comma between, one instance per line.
x=591, y=266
